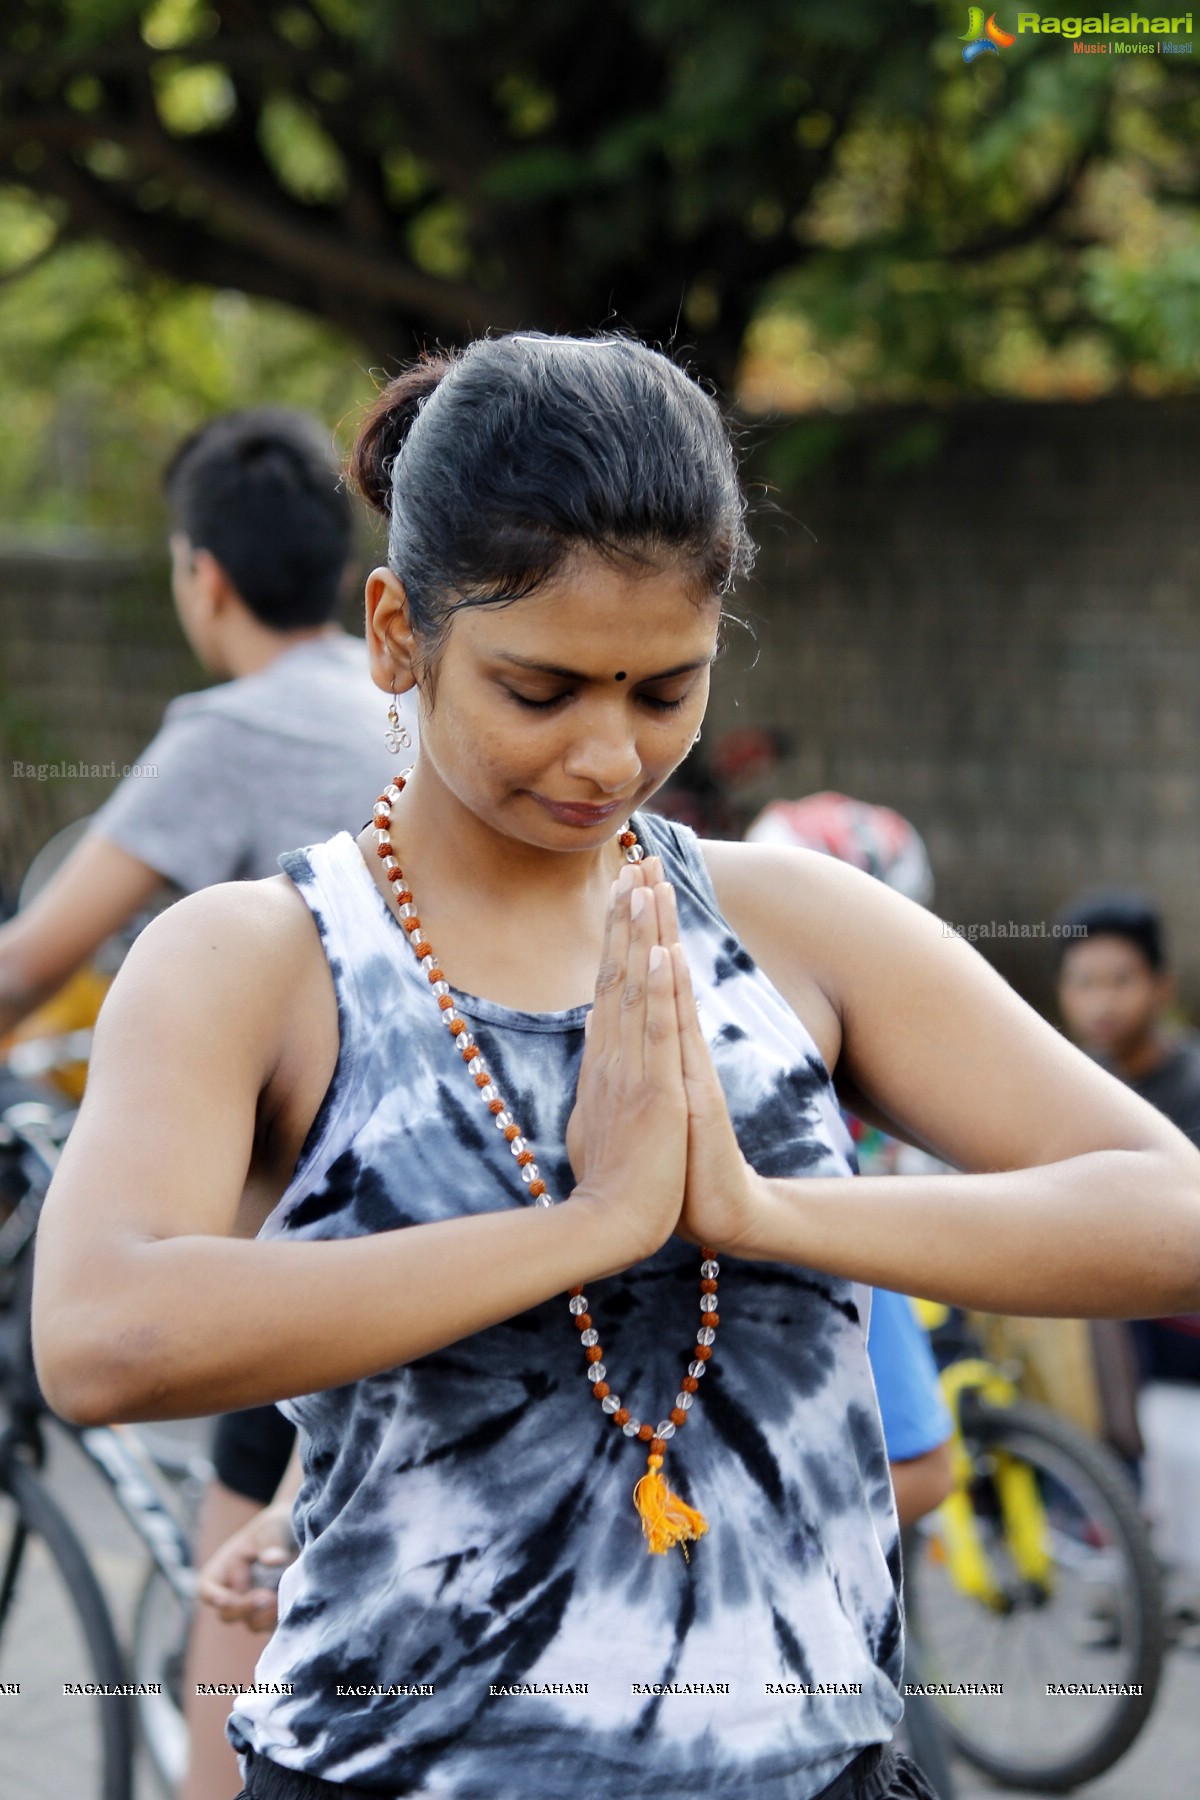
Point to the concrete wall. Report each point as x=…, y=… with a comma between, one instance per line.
x=89, y=655
x=1001, y=640
x=1004, y=644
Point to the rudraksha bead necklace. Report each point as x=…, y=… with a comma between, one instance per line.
x=666, y=1519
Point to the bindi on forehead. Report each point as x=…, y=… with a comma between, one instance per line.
x=620, y=675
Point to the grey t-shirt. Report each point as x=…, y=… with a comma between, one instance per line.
x=255, y=766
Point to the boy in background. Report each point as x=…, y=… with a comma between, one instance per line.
x=1114, y=990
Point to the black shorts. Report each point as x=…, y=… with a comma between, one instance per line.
x=251, y=1449
x=877, y=1773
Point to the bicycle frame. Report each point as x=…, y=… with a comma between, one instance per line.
x=131, y=1473
x=1026, y=1528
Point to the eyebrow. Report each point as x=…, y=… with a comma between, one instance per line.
x=540, y=668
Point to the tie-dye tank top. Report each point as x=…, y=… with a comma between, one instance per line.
x=474, y=1612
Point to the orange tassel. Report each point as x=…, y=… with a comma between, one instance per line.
x=666, y=1519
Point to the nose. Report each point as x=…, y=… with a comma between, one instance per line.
x=604, y=752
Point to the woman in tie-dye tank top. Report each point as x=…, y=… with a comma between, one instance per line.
x=287, y=1181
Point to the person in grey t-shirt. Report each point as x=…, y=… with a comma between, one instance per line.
x=287, y=749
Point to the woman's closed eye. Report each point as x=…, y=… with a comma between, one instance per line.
x=544, y=703
x=536, y=704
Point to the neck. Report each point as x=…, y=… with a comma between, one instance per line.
x=508, y=922
x=1134, y=1062
x=249, y=646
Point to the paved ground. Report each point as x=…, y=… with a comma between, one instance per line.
x=1161, y=1766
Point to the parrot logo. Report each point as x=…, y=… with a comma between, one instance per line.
x=983, y=37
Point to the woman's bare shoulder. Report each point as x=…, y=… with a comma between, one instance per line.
x=263, y=924
x=238, y=961
x=791, y=909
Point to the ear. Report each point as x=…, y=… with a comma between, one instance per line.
x=212, y=586
x=391, y=645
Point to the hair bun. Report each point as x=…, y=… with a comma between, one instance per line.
x=386, y=425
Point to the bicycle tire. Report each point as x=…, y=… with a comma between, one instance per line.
x=160, y=1628
x=1037, y=1751
x=39, y=1519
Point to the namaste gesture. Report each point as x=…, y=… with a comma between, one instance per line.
x=648, y=1093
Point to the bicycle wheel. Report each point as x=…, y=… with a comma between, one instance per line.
x=55, y=1629
x=1078, y=1656
x=160, y=1633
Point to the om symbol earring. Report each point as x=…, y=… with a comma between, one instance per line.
x=397, y=737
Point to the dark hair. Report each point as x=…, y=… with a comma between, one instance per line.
x=261, y=491
x=1123, y=915
x=494, y=464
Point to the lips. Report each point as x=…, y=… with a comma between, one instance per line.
x=577, y=813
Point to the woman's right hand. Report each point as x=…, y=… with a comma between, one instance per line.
x=627, y=1136
x=231, y=1582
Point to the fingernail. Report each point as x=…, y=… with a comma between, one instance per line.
x=637, y=903
x=658, y=957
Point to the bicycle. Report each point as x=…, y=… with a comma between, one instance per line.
x=78, y=1733
x=1032, y=1587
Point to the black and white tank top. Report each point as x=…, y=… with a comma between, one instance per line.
x=474, y=1611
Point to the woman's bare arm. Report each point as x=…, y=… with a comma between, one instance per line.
x=146, y=1307
x=54, y=935
x=1077, y=1198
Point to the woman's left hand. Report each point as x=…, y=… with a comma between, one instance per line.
x=723, y=1195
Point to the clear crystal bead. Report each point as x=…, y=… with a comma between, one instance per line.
x=683, y=1400
x=518, y=1145
x=545, y=1199
x=427, y=963
x=389, y=862
x=631, y=1427
x=665, y=1429
x=406, y=909
x=530, y=1173
x=708, y=1303
x=611, y=1403
x=439, y=988
x=596, y=1371
x=392, y=792
x=589, y=1337
x=475, y=1066
x=504, y=1120
x=696, y=1369
x=634, y=854
x=489, y=1093
x=464, y=1037
x=381, y=836
x=710, y=1269
x=706, y=1335
x=577, y=1304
